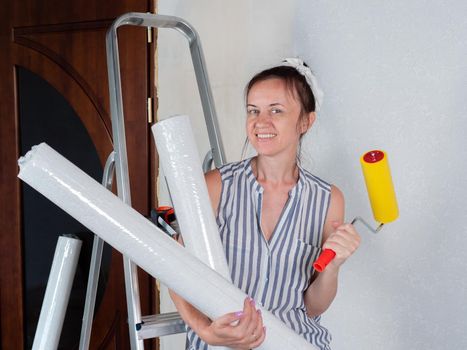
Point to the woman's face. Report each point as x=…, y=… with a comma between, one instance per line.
x=273, y=122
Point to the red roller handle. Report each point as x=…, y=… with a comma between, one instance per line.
x=324, y=259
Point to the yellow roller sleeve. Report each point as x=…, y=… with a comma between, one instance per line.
x=379, y=185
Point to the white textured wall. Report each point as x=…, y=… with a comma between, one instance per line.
x=395, y=77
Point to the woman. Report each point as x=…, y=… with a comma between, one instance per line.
x=274, y=218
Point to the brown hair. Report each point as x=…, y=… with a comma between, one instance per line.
x=295, y=83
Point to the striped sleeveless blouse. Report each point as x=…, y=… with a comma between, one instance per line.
x=275, y=273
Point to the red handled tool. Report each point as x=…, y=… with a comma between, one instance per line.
x=324, y=259
x=382, y=197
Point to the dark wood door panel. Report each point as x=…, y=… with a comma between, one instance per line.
x=46, y=12
x=72, y=58
x=74, y=49
x=64, y=43
x=83, y=100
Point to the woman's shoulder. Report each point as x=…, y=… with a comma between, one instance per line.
x=232, y=169
x=312, y=179
x=217, y=178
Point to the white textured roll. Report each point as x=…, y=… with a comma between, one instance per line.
x=180, y=162
x=136, y=237
x=57, y=294
x=179, y=158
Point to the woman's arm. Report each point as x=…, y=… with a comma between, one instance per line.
x=240, y=330
x=344, y=240
x=192, y=317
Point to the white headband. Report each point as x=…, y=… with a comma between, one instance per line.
x=304, y=70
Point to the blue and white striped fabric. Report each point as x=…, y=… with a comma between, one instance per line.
x=277, y=272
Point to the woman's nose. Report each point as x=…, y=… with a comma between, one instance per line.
x=263, y=118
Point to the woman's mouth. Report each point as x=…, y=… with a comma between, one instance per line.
x=265, y=136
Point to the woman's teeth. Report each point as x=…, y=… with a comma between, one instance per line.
x=265, y=136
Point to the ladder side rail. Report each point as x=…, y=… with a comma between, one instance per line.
x=123, y=179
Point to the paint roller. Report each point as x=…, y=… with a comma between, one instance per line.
x=382, y=197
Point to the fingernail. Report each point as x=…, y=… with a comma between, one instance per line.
x=259, y=312
x=239, y=314
x=252, y=302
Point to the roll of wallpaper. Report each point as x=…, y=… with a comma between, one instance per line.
x=179, y=158
x=379, y=185
x=181, y=164
x=136, y=237
x=57, y=294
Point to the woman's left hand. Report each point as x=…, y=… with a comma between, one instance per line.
x=344, y=241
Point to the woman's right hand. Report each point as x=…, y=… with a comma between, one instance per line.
x=238, y=330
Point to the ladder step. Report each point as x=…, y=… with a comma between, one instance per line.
x=159, y=325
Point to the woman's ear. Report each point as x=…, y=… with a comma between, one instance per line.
x=308, y=122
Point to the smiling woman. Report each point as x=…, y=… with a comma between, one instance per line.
x=300, y=89
x=274, y=217
x=275, y=120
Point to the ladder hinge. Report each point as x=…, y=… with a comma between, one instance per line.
x=150, y=118
x=150, y=33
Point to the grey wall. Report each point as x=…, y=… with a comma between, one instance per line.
x=394, y=76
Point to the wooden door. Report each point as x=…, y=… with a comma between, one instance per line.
x=62, y=43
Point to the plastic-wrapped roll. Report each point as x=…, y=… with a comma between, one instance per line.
x=57, y=294
x=180, y=161
x=379, y=185
x=129, y=232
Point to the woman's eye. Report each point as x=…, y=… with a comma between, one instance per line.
x=276, y=111
x=252, y=111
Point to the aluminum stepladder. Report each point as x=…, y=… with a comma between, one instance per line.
x=143, y=327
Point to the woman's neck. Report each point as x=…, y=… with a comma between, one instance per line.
x=271, y=170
